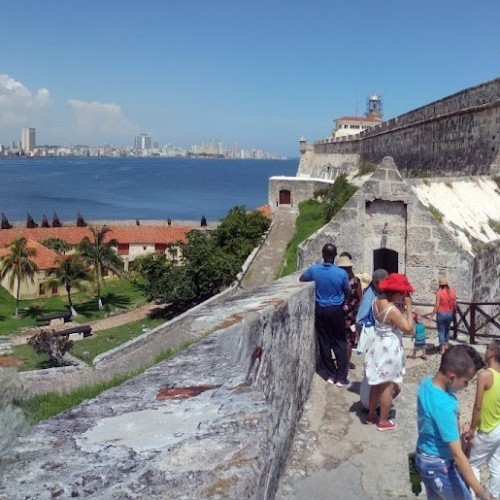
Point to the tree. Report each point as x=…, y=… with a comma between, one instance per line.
x=19, y=266
x=56, y=244
x=335, y=197
x=240, y=231
x=208, y=267
x=70, y=273
x=101, y=255
x=163, y=280
x=211, y=260
x=49, y=342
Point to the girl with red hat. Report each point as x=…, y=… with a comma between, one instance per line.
x=385, y=358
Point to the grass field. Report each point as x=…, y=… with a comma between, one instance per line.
x=98, y=343
x=117, y=294
x=311, y=217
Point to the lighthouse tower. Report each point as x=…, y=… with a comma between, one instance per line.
x=374, y=106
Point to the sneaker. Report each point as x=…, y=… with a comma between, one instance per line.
x=373, y=420
x=330, y=380
x=388, y=426
x=343, y=383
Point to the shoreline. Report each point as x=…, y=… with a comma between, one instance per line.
x=119, y=222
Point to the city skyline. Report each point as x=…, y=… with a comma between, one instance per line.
x=260, y=74
x=143, y=145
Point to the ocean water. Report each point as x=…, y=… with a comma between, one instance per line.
x=134, y=188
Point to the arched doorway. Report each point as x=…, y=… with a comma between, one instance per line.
x=384, y=258
x=285, y=197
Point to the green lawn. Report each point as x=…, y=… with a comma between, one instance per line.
x=311, y=217
x=105, y=340
x=116, y=294
x=98, y=343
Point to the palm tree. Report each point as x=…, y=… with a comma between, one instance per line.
x=70, y=273
x=101, y=256
x=57, y=244
x=19, y=266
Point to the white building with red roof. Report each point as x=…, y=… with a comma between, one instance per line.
x=133, y=241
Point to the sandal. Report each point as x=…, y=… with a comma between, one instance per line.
x=423, y=357
x=369, y=420
x=388, y=426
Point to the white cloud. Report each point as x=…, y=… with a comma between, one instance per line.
x=82, y=122
x=99, y=121
x=14, y=95
x=20, y=107
x=42, y=97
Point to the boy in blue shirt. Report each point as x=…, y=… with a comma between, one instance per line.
x=443, y=466
x=419, y=341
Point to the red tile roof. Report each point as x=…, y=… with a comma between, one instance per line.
x=123, y=234
x=44, y=257
x=361, y=118
x=265, y=210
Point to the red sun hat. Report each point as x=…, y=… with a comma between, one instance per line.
x=396, y=283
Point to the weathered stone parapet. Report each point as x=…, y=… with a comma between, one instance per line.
x=215, y=421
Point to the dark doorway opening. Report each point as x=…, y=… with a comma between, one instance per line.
x=285, y=197
x=383, y=258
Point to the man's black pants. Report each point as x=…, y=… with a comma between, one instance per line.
x=330, y=329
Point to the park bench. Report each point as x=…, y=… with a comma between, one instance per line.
x=54, y=318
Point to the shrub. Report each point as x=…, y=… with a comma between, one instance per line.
x=365, y=168
x=495, y=225
x=333, y=198
x=435, y=213
x=56, y=346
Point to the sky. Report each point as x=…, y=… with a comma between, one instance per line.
x=261, y=73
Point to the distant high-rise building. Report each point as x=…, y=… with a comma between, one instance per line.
x=142, y=141
x=28, y=140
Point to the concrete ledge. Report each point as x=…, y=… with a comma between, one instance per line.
x=228, y=441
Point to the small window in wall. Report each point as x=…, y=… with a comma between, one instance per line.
x=41, y=289
x=160, y=247
x=54, y=290
x=123, y=248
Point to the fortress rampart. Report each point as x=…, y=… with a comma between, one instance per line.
x=456, y=135
x=215, y=421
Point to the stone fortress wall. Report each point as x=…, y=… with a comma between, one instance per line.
x=456, y=135
x=215, y=421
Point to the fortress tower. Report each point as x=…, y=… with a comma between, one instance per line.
x=374, y=106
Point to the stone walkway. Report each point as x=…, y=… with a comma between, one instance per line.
x=267, y=262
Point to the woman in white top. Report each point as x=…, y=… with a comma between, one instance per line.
x=385, y=358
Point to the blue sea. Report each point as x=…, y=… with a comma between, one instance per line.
x=134, y=188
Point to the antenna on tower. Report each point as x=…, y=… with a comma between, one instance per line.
x=356, y=104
